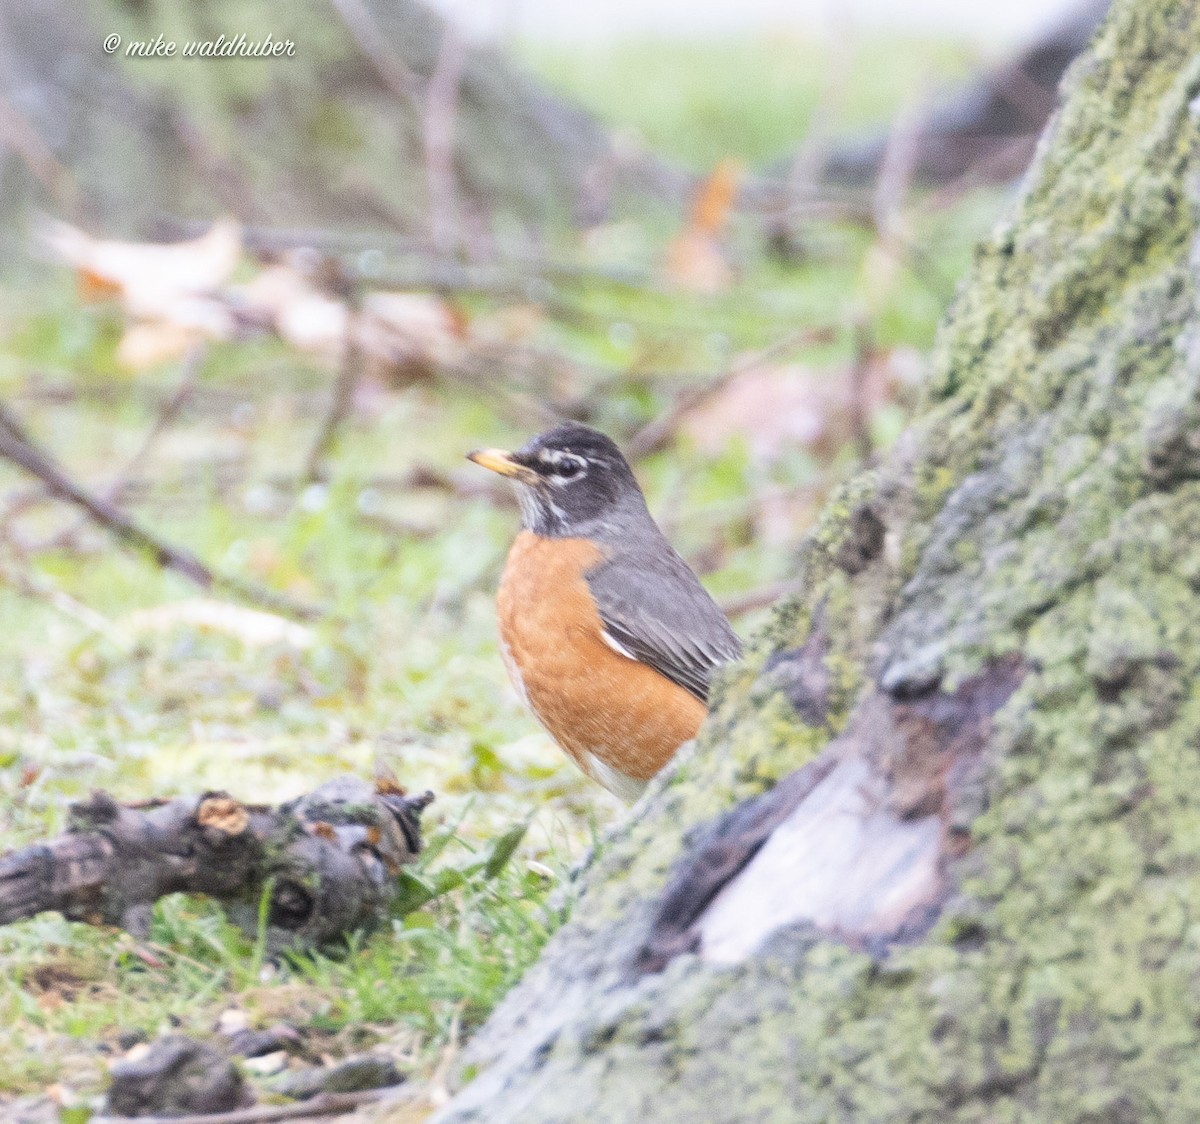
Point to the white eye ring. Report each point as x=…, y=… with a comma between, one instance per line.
x=562, y=466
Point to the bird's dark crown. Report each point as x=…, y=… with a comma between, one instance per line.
x=569, y=443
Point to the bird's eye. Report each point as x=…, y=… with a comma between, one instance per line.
x=568, y=470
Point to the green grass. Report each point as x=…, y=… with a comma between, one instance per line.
x=405, y=669
x=700, y=101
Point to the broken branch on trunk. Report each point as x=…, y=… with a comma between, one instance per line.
x=326, y=862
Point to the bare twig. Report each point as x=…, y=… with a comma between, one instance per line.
x=30, y=584
x=390, y=68
x=222, y=176
x=896, y=177
x=895, y=246
x=860, y=412
x=324, y=1104
x=342, y=401
x=168, y=412
x=801, y=182
x=428, y=477
x=514, y=269
x=19, y=135
x=439, y=1092
x=19, y=448
x=760, y=598
x=656, y=435
x=441, y=110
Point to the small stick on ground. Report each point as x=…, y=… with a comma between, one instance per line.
x=19, y=448
x=34, y=585
x=324, y=1104
x=167, y=416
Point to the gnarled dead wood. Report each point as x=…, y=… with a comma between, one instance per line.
x=327, y=861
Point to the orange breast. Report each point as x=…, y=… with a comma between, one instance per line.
x=592, y=699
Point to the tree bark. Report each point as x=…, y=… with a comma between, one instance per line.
x=934, y=855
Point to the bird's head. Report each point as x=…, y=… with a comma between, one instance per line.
x=569, y=479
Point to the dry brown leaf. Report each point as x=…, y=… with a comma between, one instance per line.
x=405, y=336
x=518, y=323
x=151, y=343
x=710, y=208
x=695, y=259
x=148, y=278
x=252, y=627
x=409, y=335
x=167, y=290
x=696, y=262
x=284, y=299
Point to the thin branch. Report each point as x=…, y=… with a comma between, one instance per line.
x=19, y=448
x=734, y=607
x=341, y=402
x=325, y=1104
x=390, y=67
x=657, y=435
x=30, y=584
x=441, y=110
x=515, y=270
x=895, y=178
x=860, y=413
x=803, y=175
x=17, y=132
x=168, y=412
x=223, y=177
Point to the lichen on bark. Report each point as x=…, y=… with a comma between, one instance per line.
x=1043, y=507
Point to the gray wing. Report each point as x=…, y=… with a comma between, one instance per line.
x=660, y=614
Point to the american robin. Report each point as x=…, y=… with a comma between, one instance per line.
x=607, y=635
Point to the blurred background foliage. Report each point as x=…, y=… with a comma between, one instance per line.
x=634, y=232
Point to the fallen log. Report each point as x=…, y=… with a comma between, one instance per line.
x=326, y=862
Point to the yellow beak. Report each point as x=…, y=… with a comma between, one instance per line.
x=497, y=460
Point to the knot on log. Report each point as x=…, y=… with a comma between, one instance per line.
x=219, y=812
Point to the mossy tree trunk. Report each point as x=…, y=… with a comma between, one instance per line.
x=961, y=876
